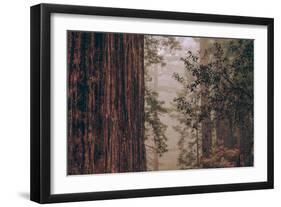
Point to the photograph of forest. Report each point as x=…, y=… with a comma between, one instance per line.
x=141, y=102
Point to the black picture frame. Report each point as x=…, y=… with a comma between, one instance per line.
x=41, y=96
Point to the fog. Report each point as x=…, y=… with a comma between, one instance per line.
x=167, y=87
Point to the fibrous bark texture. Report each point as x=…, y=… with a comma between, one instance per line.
x=105, y=103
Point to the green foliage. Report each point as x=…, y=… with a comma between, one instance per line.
x=187, y=158
x=154, y=46
x=153, y=110
x=220, y=80
x=226, y=76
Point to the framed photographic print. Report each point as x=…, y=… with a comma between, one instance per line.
x=132, y=103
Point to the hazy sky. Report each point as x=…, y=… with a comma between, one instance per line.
x=167, y=87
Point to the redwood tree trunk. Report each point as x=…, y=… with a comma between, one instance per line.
x=206, y=136
x=206, y=122
x=105, y=103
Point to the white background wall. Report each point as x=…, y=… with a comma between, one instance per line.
x=14, y=101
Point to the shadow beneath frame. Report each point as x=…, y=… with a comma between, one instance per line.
x=24, y=195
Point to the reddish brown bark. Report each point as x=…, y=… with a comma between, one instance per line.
x=225, y=132
x=105, y=103
x=206, y=137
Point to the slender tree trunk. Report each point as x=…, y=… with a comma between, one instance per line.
x=155, y=88
x=155, y=159
x=224, y=131
x=206, y=122
x=105, y=103
x=206, y=137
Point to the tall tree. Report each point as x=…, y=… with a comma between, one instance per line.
x=206, y=125
x=105, y=103
x=155, y=136
x=227, y=74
